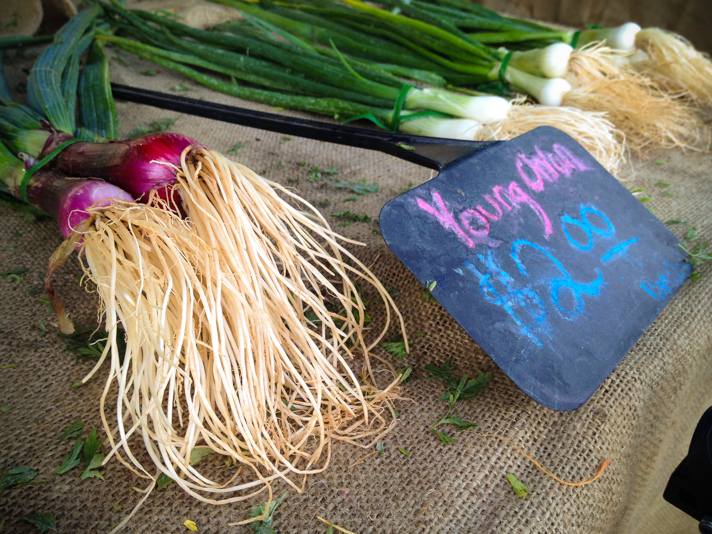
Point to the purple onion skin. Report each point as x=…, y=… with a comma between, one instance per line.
x=67, y=199
x=82, y=194
x=135, y=165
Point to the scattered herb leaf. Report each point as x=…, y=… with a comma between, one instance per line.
x=236, y=147
x=72, y=459
x=92, y=457
x=352, y=198
x=163, y=480
x=519, y=488
x=403, y=451
x=430, y=285
x=379, y=448
x=440, y=372
x=360, y=188
x=396, y=348
x=406, y=147
x=349, y=217
x=182, y=87
x=149, y=72
x=120, y=60
x=16, y=476
x=8, y=366
x=662, y=184
x=5, y=409
x=14, y=273
x=426, y=296
x=465, y=389
x=285, y=138
x=457, y=421
x=406, y=188
x=198, y=453
x=404, y=373
x=660, y=161
x=265, y=525
x=156, y=126
x=42, y=520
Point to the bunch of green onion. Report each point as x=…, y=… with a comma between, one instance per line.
x=262, y=62
x=466, y=45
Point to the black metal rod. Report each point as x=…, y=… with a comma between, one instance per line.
x=429, y=152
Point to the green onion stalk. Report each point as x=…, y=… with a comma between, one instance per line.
x=184, y=275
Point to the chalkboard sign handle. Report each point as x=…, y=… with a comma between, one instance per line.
x=429, y=152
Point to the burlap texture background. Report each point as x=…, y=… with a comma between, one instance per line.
x=641, y=418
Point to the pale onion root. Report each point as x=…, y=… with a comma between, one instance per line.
x=674, y=65
x=594, y=61
x=239, y=324
x=592, y=130
x=649, y=118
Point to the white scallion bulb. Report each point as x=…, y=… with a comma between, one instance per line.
x=463, y=129
x=483, y=109
x=619, y=38
x=550, y=62
x=547, y=91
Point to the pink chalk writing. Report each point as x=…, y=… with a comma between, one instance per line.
x=472, y=225
x=445, y=218
x=547, y=166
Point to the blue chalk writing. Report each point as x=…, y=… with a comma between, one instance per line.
x=660, y=288
x=587, y=227
x=541, y=280
x=618, y=251
x=557, y=284
x=510, y=297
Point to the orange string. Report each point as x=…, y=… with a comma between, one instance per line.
x=602, y=468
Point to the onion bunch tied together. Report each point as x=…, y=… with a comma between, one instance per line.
x=240, y=306
x=270, y=59
x=220, y=352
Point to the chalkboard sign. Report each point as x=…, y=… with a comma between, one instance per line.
x=544, y=259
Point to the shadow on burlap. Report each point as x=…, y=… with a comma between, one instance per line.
x=641, y=418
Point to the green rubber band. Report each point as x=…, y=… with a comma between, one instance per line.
x=575, y=39
x=404, y=118
x=368, y=116
x=398, y=108
x=503, y=67
x=424, y=113
x=37, y=166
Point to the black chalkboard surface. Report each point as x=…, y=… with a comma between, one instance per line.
x=544, y=259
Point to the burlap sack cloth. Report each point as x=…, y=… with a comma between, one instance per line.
x=642, y=417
